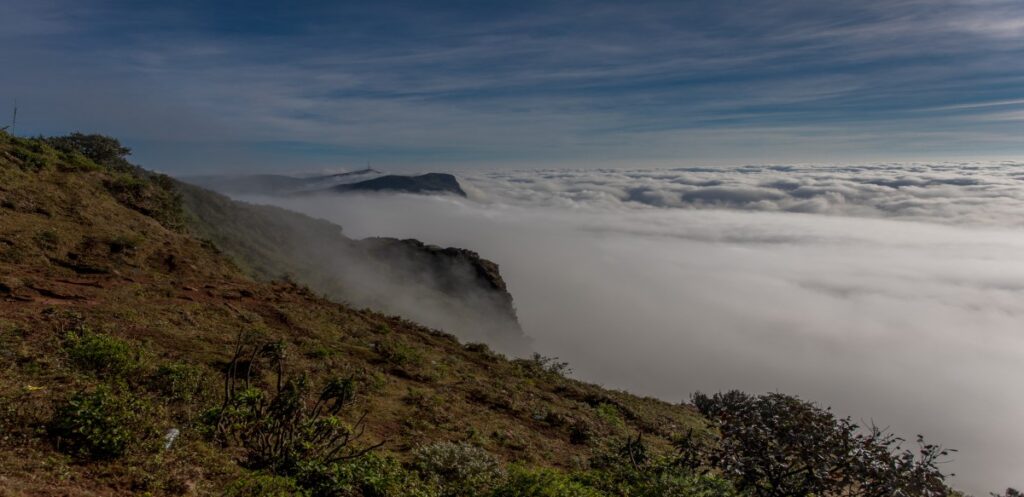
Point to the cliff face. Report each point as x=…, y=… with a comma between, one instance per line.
x=447, y=288
x=473, y=284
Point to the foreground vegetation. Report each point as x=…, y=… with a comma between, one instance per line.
x=138, y=360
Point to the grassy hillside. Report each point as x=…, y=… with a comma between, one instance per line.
x=103, y=291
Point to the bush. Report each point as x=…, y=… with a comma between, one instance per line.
x=539, y=366
x=102, y=150
x=398, y=354
x=285, y=429
x=459, y=469
x=631, y=469
x=264, y=485
x=683, y=484
x=47, y=239
x=181, y=382
x=369, y=476
x=544, y=483
x=95, y=425
x=104, y=355
x=776, y=444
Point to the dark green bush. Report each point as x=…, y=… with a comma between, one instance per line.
x=778, y=445
x=369, y=476
x=95, y=425
x=264, y=485
x=459, y=469
x=102, y=150
x=524, y=482
x=104, y=355
x=123, y=244
x=398, y=354
x=538, y=366
x=180, y=382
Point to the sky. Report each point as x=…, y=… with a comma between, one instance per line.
x=196, y=86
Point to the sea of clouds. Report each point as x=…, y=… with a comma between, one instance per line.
x=894, y=293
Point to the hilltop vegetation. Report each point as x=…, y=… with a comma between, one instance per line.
x=138, y=359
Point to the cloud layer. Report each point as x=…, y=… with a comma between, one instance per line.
x=892, y=292
x=978, y=193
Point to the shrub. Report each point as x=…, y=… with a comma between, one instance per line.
x=96, y=425
x=123, y=244
x=776, y=444
x=683, y=484
x=460, y=469
x=264, y=485
x=580, y=433
x=100, y=149
x=539, y=366
x=631, y=469
x=47, y=239
x=610, y=414
x=369, y=476
x=543, y=483
x=284, y=429
x=102, y=354
x=179, y=381
x=398, y=354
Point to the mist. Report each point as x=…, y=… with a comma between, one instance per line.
x=891, y=293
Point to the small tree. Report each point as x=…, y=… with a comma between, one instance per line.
x=777, y=445
x=101, y=149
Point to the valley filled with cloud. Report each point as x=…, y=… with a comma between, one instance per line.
x=891, y=292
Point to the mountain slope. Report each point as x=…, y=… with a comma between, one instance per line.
x=103, y=295
x=450, y=288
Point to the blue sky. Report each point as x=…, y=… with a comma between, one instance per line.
x=199, y=86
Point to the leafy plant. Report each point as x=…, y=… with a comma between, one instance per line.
x=523, y=482
x=460, y=469
x=264, y=485
x=96, y=424
x=398, y=354
x=538, y=366
x=104, y=355
x=285, y=428
x=369, y=476
x=180, y=381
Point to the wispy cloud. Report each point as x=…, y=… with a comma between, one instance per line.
x=545, y=82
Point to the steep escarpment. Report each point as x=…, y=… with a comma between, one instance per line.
x=448, y=288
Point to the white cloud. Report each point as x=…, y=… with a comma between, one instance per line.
x=891, y=292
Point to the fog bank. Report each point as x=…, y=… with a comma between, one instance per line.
x=900, y=299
